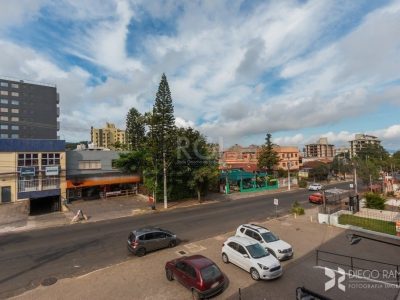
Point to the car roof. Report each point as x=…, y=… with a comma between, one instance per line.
x=255, y=227
x=198, y=261
x=241, y=240
x=148, y=229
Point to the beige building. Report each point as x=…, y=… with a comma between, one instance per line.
x=321, y=149
x=289, y=157
x=108, y=136
x=360, y=141
x=32, y=174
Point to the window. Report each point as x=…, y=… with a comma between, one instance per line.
x=4, y=101
x=4, y=93
x=4, y=136
x=190, y=271
x=233, y=245
x=3, y=109
x=15, y=110
x=14, y=119
x=3, y=118
x=14, y=102
x=49, y=159
x=5, y=194
x=4, y=127
x=14, y=94
x=28, y=159
x=159, y=235
x=4, y=84
x=15, y=136
x=15, y=127
x=149, y=236
x=89, y=164
x=15, y=85
x=241, y=250
x=284, y=164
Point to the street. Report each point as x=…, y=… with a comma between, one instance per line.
x=28, y=258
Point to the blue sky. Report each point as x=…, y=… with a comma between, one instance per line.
x=237, y=69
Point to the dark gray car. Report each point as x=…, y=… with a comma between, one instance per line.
x=148, y=239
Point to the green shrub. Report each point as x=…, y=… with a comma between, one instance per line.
x=297, y=209
x=302, y=183
x=374, y=201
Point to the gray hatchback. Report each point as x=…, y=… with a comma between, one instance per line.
x=143, y=240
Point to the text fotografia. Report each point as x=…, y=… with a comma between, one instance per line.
x=373, y=279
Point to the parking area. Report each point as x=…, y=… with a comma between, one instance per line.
x=144, y=277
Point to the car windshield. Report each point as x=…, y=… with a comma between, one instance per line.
x=257, y=251
x=210, y=273
x=269, y=237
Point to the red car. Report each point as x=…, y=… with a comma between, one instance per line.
x=197, y=273
x=316, y=198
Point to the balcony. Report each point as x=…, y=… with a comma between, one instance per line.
x=35, y=185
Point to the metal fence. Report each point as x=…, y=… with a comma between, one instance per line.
x=379, y=271
x=38, y=184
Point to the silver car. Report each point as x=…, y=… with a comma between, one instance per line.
x=148, y=239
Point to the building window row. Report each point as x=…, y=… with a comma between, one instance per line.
x=12, y=136
x=32, y=159
x=6, y=110
x=5, y=118
x=89, y=164
x=13, y=85
x=5, y=127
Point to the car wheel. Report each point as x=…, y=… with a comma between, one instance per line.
x=169, y=274
x=172, y=244
x=254, y=274
x=195, y=295
x=141, y=252
x=225, y=258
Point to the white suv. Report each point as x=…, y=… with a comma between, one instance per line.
x=268, y=240
x=315, y=187
x=251, y=257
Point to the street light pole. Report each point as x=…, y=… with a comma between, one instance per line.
x=288, y=172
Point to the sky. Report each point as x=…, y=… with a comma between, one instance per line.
x=298, y=69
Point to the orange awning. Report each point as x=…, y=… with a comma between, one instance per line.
x=86, y=182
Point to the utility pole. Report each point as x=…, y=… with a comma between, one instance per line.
x=355, y=179
x=165, y=181
x=288, y=172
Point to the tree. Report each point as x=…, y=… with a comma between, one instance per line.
x=163, y=127
x=202, y=178
x=320, y=171
x=374, y=201
x=135, y=129
x=268, y=157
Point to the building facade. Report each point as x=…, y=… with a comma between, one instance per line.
x=91, y=174
x=33, y=174
x=246, y=158
x=360, y=141
x=28, y=110
x=107, y=137
x=321, y=149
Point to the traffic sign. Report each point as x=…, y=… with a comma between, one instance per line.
x=276, y=201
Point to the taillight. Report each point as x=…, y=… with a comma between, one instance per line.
x=134, y=243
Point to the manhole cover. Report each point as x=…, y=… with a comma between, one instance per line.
x=182, y=252
x=49, y=281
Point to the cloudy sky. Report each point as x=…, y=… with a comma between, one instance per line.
x=236, y=69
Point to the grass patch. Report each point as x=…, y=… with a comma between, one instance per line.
x=370, y=224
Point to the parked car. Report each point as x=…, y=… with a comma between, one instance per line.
x=251, y=257
x=197, y=273
x=144, y=240
x=315, y=187
x=316, y=198
x=271, y=242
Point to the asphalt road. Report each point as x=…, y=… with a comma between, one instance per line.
x=28, y=258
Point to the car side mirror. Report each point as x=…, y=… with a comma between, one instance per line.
x=261, y=241
x=245, y=255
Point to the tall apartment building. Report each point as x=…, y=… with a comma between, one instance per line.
x=28, y=110
x=360, y=141
x=321, y=149
x=108, y=136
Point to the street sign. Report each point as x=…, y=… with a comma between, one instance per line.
x=276, y=201
x=51, y=171
x=351, y=185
